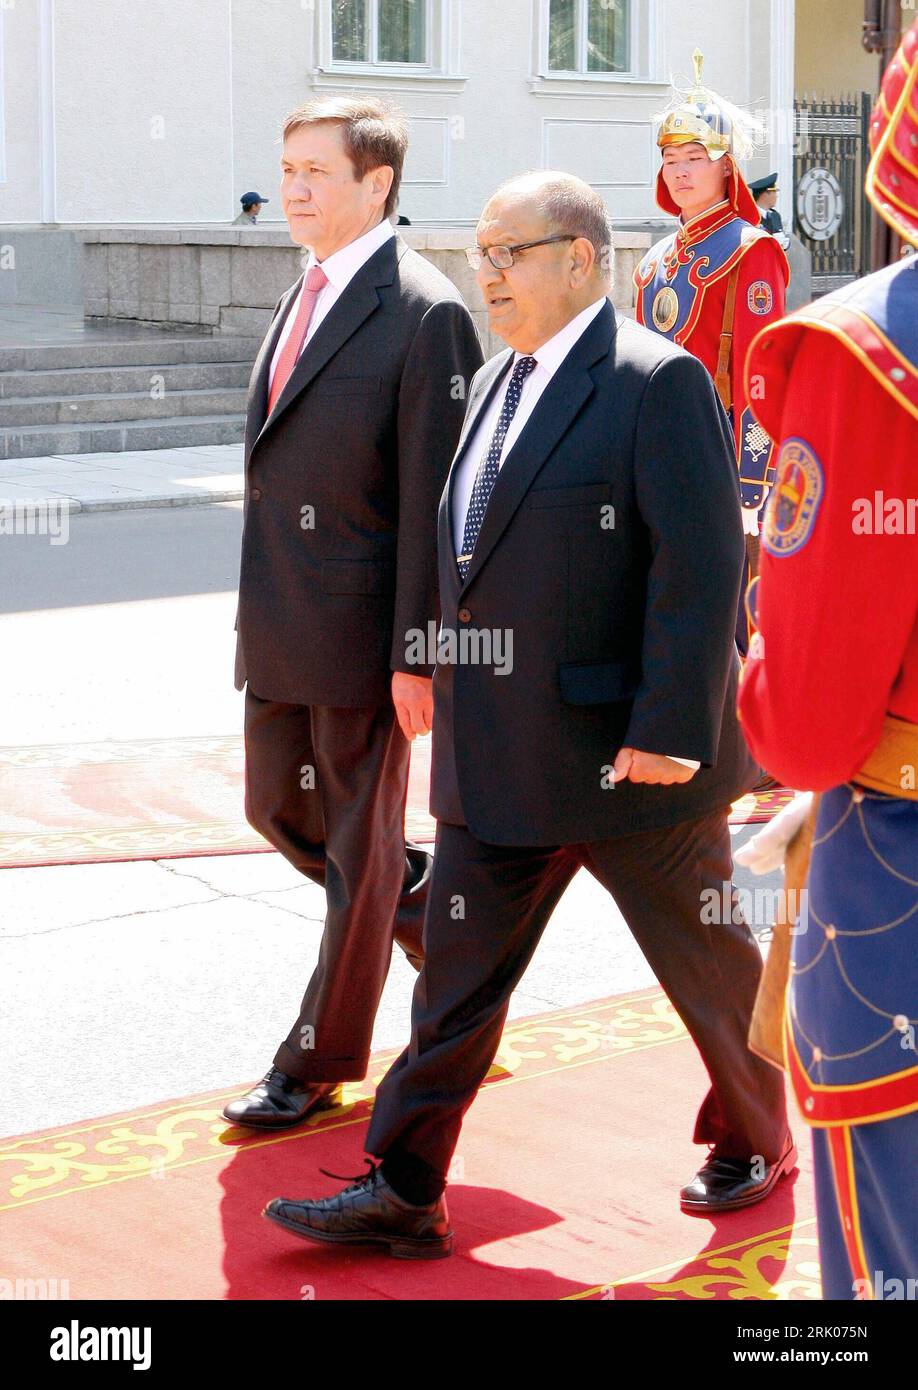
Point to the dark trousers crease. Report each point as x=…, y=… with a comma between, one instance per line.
x=347, y=834
x=709, y=972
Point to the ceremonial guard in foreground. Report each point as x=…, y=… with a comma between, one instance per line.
x=715, y=281
x=829, y=702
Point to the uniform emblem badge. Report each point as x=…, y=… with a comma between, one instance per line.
x=760, y=297
x=794, y=499
x=665, y=309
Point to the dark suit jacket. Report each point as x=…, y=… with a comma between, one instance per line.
x=771, y=221
x=362, y=436
x=621, y=635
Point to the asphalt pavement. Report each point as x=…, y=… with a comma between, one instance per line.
x=128, y=984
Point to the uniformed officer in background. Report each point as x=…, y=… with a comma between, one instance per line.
x=765, y=193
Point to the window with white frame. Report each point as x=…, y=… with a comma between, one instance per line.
x=377, y=33
x=589, y=36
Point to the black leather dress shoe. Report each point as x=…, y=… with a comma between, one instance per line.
x=725, y=1184
x=280, y=1101
x=369, y=1213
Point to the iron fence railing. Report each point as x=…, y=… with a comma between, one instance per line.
x=831, y=213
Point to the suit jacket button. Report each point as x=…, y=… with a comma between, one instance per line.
x=464, y=615
x=255, y=494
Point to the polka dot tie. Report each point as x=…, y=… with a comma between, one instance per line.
x=489, y=467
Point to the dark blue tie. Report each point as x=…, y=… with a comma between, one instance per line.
x=489, y=467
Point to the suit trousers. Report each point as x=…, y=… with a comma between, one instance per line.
x=473, y=963
x=327, y=787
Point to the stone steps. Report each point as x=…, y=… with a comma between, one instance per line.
x=165, y=391
x=38, y=441
x=246, y=321
x=162, y=350
x=111, y=407
x=83, y=381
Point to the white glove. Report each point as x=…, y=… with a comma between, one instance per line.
x=765, y=851
x=751, y=521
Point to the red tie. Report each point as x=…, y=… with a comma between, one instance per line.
x=316, y=280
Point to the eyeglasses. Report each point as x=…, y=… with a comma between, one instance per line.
x=501, y=257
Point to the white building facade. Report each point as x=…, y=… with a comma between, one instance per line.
x=154, y=112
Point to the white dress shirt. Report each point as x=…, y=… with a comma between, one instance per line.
x=549, y=358
x=341, y=267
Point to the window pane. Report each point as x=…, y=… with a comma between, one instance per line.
x=607, y=36
x=562, y=36
x=401, y=31
x=350, y=31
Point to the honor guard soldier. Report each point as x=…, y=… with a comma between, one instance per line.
x=715, y=281
x=829, y=702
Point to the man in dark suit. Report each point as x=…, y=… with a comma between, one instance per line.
x=354, y=410
x=592, y=512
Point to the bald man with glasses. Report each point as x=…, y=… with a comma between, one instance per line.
x=501, y=257
x=592, y=511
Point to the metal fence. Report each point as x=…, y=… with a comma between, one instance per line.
x=831, y=213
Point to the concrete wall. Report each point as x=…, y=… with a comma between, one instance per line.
x=165, y=113
x=41, y=266
x=231, y=279
x=20, y=181
x=271, y=54
x=143, y=112
x=829, y=56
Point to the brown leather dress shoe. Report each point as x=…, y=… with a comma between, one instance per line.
x=725, y=1184
x=369, y=1213
x=280, y=1101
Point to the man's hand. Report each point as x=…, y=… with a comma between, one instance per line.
x=633, y=766
x=413, y=700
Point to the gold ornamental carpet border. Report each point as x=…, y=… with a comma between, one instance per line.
x=744, y=1269
x=111, y=801
x=778, y=1262
x=122, y=1148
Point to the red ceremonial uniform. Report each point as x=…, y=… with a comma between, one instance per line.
x=697, y=261
x=838, y=614
x=714, y=282
x=836, y=603
x=829, y=702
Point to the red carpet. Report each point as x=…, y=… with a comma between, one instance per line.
x=166, y=798
x=565, y=1186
